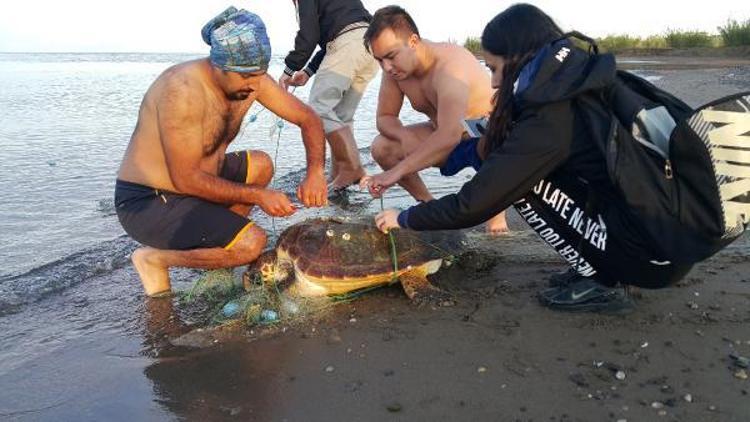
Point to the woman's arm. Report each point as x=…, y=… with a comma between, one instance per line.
x=538, y=143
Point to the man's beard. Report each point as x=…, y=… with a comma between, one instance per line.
x=239, y=95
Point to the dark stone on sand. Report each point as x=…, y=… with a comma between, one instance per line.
x=578, y=379
x=394, y=407
x=667, y=389
x=740, y=361
x=334, y=337
x=354, y=386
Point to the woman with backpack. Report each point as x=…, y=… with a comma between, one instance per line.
x=587, y=156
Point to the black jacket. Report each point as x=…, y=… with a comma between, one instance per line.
x=319, y=23
x=549, y=133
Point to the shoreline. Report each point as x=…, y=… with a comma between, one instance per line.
x=630, y=61
x=99, y=350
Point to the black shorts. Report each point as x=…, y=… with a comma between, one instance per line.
x=167, y=220
x=595, y=233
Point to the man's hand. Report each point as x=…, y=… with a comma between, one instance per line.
x=387, y=220
x=299, y=78
x=284, y=81
x=379, y=183
x=275, y=203
x=313, y=191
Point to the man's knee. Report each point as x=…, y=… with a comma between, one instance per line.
x=262, y=168
x=251, y=244
x=384, y=149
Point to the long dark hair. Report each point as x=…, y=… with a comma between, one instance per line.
x=516, y=34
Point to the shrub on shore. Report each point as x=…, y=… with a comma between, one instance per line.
x=654, y=41
x=615, y=43
x=473, y=44
x=688, y=39
x=735, y=34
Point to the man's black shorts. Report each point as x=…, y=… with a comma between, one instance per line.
x=166, y=220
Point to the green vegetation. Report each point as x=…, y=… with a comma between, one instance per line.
x=735, y=34
x=615, y=43
x=688, y=39
x=672, y=39
x=473, y=44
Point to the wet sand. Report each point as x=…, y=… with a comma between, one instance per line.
x=495, y=355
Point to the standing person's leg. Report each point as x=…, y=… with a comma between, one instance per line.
x=341, y=78
x=349, y=169
x=345, y=163
x=184, y=231
x=388, y=152
x=326, y=92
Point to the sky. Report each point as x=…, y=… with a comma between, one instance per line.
x=174, y=26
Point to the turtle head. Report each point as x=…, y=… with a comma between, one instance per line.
x=268, y=270
x=261, y=271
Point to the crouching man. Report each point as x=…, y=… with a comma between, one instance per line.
x=178, y=192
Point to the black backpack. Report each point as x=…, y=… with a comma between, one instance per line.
x=685, y=173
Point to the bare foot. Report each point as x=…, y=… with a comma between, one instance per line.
x=154, y=277
x=346, y=178
x=497, y=226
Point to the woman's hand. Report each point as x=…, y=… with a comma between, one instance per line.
x=387, y=220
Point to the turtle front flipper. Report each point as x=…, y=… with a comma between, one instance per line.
x=420, y=291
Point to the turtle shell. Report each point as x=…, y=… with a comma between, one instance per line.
x=331, y=249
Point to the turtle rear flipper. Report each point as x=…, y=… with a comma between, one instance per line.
x=421, y=292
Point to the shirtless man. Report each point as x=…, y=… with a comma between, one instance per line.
x=177, y=192
x=445, y=82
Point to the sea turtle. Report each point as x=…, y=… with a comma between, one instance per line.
x=324, y=257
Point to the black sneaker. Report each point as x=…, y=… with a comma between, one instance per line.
x=586, y=295
x=564, y=278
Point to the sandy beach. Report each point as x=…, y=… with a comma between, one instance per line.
x=496, y=355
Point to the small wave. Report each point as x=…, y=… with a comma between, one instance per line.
x=648, y=75
x=20, y=290
x=106, y=207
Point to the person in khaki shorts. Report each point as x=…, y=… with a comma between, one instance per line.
x=342, y=69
